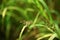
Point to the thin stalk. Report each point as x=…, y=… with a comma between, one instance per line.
x=35, y=20
x=20, y=36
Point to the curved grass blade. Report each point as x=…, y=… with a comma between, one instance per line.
x=47, y=9
x=20, y=35
x=21, y=11
x=52, y=37
x=47, y=35
x=42, y=11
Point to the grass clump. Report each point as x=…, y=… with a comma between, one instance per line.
x=29, y=20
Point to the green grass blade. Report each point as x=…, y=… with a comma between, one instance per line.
x=47, y=9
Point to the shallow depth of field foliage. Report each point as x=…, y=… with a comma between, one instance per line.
x=29, y=19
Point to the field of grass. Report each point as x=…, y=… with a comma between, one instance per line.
x=29, y=20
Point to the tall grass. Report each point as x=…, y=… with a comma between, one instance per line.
x=24, y=19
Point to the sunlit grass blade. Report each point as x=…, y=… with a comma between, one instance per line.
x=4, y=13
x=47, y=35
x=52, y=37
x=20, y=35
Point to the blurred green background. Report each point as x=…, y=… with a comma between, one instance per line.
x=29, y=19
